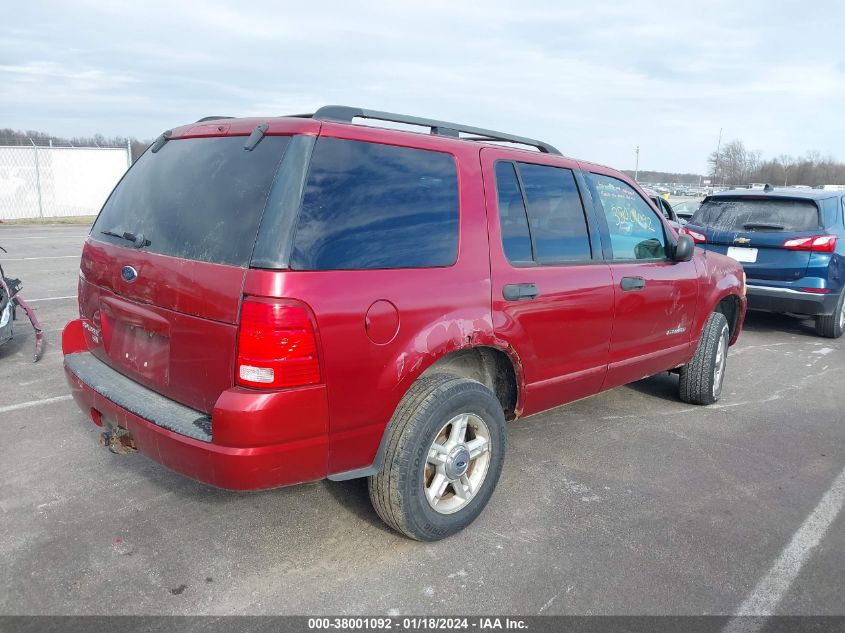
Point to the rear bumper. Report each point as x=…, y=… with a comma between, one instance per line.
x=788, y=300
x=254, y=440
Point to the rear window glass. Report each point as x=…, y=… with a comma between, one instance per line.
x=368, y=205
x=555, y=213
x=554, y=230
x=757, y=215
x=198, y=199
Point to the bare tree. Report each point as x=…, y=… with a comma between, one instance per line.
x=733, y=163
x=786, y=162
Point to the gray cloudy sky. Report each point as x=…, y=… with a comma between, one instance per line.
x=593, y=78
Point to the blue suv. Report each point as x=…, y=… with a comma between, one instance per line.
x=791, y=243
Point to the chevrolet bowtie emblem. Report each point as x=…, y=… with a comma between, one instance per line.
x=742, y=240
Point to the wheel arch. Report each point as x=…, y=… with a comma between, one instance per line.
x=493, y=363
x=730, y=306
x=492, y=366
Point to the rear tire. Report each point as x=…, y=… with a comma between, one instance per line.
x=832, y=325
x=702, y=378
x=443, y=456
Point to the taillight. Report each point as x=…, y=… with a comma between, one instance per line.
x=698, y=238
x=277, y=346
x=816, y=244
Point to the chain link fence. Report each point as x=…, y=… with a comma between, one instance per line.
x=41, y=180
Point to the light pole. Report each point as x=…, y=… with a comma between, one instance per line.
x=637, y=164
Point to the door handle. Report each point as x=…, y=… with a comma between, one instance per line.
x=632, y=283
x=520, y=292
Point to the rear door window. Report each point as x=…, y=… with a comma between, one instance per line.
x=555, y=213
x=635, y=230
x=767, y=215
x=198, y=199
x=516, y=238
x=368, y=205
x=554, y=229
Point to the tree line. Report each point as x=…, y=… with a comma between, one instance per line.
x=733, y=164
x=664, y=176
x=41, y=139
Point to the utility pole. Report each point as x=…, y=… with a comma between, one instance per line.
x=637, y=164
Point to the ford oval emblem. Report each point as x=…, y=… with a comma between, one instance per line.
x=129, y=274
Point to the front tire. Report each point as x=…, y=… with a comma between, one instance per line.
x=702, y=378
x=832, y=325
x=444, y=453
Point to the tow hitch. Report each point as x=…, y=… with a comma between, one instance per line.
x=118, y=440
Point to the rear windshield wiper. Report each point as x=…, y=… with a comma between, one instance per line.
x=763, y=225
x=138, y=241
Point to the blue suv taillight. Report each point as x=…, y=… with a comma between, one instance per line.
x=815, y=244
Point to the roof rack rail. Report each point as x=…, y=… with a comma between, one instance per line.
x=345, y=114
x=213, y=118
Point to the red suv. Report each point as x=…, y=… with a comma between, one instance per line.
x=271, y=301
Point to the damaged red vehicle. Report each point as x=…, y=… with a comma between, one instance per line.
x=10, y=301
x=271, y=301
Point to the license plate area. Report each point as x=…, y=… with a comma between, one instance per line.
x=741, y=254
x=144, y=353
x=137, y=340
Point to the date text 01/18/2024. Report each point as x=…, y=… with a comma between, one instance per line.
x=420, y=623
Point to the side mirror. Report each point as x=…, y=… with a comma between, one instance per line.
x=684, y=249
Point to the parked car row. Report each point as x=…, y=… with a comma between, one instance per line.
x=271, y=301
x=675, y=190
x=791, y=243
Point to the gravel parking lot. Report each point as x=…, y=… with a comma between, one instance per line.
x=629, y=502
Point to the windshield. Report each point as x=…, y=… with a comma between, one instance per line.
x=198, y=199
x=757, y=215
x=686, y=208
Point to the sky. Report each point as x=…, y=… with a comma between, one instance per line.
x=595, y=79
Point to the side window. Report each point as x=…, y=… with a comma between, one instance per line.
x=660, y=203
x=556, y=228
x=516, y=240
x=555, y=214
x=368, y=205
x=635, y=231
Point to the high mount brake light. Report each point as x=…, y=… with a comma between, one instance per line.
x=277, y=346
x=815, y=244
